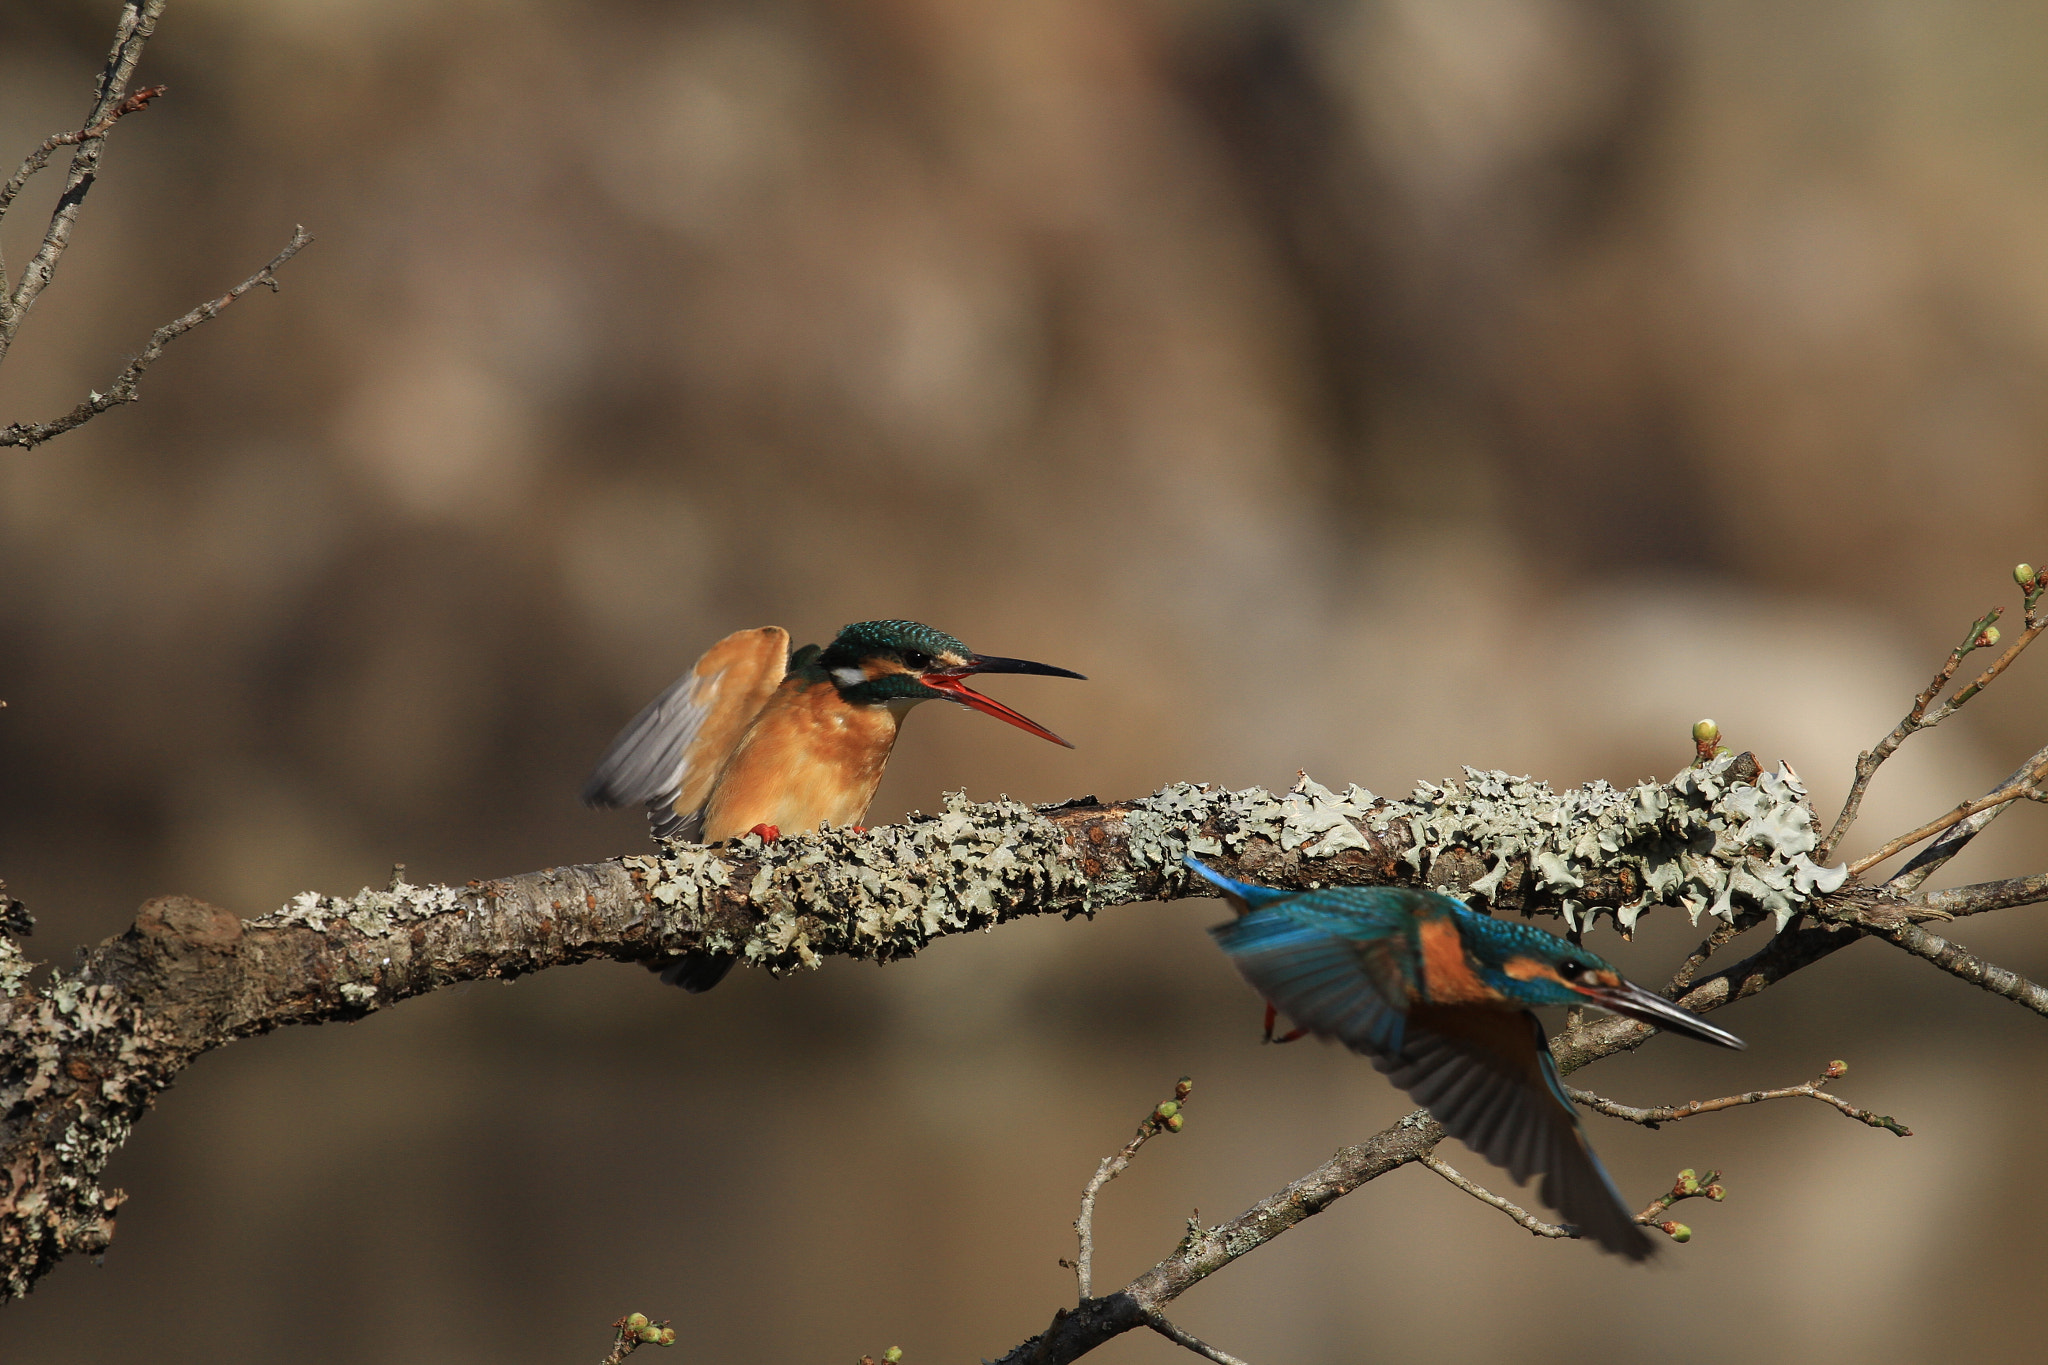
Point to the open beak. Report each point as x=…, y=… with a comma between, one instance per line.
x=1638, y=1004
x=953, y=682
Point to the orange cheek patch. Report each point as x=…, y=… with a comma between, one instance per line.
x=1529, y=969
x=1446, y=975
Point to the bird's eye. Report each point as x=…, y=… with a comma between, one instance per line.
x=1571, y=969
x=918, y=660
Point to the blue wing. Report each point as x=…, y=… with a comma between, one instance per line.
x=1488, y=1078
x=1330, y=973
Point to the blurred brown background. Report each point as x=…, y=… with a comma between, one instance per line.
x=1368, y=386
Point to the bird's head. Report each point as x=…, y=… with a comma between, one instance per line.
x=1538, y=968
x=901, y=663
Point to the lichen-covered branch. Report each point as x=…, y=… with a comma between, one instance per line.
x=84, y=1053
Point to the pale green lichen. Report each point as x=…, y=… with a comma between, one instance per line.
x=369, y=911
x=1702, y=840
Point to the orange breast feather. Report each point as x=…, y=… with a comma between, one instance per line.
x=809, y=759
x=1447, y=976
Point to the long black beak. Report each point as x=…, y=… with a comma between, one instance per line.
x=1638, y=1004
x=986, y=663
x=952, y=683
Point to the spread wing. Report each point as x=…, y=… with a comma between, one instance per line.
x=1488, y=1077
x=1339, y=974
x=669, y=755
x=1486, y=1074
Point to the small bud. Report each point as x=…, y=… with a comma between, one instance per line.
x=1678, y=1232
x=2023, y=574
x=893, y=1355
x=1716, y=1193
x=649, y=1333
x=1184, y=1087
x=635, y=1321
x=667, y=1337
x=1175, y=1123
x=1167, y=1109
x=1706, y=732
x=1837, y=1069
x=1688, y=1183
x=1988, y=638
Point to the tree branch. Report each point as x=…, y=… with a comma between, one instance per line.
x=1957, y=837
x=1958, y=962
x=1485, y=1196
x=131, y=34
x=126, y=385
x=1164, y=1118
x=1651, y=1118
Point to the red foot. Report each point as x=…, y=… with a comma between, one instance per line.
x=769, y=833
x=860, y=829
x=1272, y=1018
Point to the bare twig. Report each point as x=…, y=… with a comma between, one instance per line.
x=1651, y=1118
x=1722, y=935
x=131, y=34
x=1958, y=901
x=1486, y=1196
x=1961, y=963
x=40, y=157
x=1868, y=762
x=126, y=385
x=1188, y=1339
x=1164, y=1118
x=2023, y=784
x=1954, y=840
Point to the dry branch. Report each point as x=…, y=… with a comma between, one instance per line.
x=1651, y=1118
x=126, y=387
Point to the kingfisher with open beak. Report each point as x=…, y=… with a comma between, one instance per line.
x=755, y=739
x=1439, y=997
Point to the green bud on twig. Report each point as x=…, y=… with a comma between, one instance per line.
x=667, y=1337
x=2023, y=574
x=1988, y=637
x=1716, y=1193
x=893, y=1355
x=1184, y=1087
x=1678, y=1232
x=1837, y=1069
x=649, y=1333
x=635, y=1321
x=1706, y=732
x=1174, y=1123
x=1688, y=1182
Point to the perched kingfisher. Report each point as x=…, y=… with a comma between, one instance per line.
x=1438, y=996
x=755, y=739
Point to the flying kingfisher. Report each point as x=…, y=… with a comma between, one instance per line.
x=755, y=739
x=1438, y=996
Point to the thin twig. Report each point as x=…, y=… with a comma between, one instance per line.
x=1958, y=901
x=126, y=385
x=1868, y=762
x=1721, y=937
x=1651, y=1118
x=1961, y=963
x=1164, y=1118
x=40, y=157
x=1159, y=1324
x=1929, y=860
x=137, y=24
x=1486, y=1196
x=2023, y=784
x=1688, y=1185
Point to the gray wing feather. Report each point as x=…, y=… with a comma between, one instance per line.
x=644, y=765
